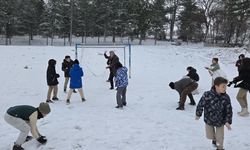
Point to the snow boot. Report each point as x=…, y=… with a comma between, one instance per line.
x=55, y=99
x=119, y=107
x=240, y=111
x=192, y=103
x=49, y=101
x=180, y=108
x=67, y=101
x=124, y=104
x=17, y=147
x=244, y=112
x=83, y=99
x=214, y=143
x=28, y=138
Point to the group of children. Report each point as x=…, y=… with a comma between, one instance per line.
x=216, y=103
x=72, y=72
x=24, y=117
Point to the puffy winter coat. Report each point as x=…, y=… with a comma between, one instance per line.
x=193, y=75
x=244, y=77
x=66, y=66
x=112, y=61
x=217, y=108
x=121, y=79
x=180, y=85
x=51, y=73
x=76, y=74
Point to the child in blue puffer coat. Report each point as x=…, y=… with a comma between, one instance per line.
x=76, y=74
x=121, y=82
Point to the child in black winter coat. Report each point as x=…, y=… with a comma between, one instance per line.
x=52, y=81
x=217, y=112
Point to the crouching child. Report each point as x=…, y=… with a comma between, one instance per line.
x=24, y=118
x=217, y=112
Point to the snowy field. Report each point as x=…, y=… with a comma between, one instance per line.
x=149, y=122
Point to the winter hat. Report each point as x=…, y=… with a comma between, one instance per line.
x=44, y=108
x=171, y=84
x=52, y=62
x=241, y=56
x=67, y=56
x=189, y=68
x=76, y=61
x=118, y=65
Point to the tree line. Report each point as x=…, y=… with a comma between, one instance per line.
x=226, y=21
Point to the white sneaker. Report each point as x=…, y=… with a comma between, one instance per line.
x=244, y=112
x=240, y=111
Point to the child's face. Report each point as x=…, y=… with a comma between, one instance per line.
x=221, y=88
x=214, y=62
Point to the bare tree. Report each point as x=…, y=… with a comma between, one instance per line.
x=173, y=12
x=208, y=6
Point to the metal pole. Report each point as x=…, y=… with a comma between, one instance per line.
x=71, y=22
x=124, y=51
x=76, y=53
x=129, y=60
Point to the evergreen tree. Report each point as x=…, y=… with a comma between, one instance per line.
x=29, y=17
x=191, y=20
x=158, y=18
x=8, y=19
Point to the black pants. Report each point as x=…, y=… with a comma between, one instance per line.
x=190, y=96
x=111, y=79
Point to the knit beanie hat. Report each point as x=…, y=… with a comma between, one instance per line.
x=44, y=108
x=67, y=56
x=76, y=61
x=171, y=84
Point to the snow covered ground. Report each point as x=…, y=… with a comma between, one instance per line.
x=149, y=122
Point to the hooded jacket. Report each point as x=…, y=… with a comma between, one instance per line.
x=51, y=73
x=193, y=75
x=121, y=79
x=217, y=108
x=180, y=85
x=66, y=66
x=76, y=74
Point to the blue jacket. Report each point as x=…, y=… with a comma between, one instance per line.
x=121, y=79
x=76, y=74
x=217, y=108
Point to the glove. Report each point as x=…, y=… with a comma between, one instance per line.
x=42, y=139
x=230, y=83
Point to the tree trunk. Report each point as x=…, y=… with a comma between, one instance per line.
x=98, y=39
x=104, y=35
x=113, y=34
x=47, y=40
x=173, y=17
x=64, y=40
x=29, y=39
x=52, y=39
x=155, y=38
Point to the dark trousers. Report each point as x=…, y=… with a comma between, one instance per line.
x=190, y=96
x=187, y=90
x=111, y=79
x=121, y=96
